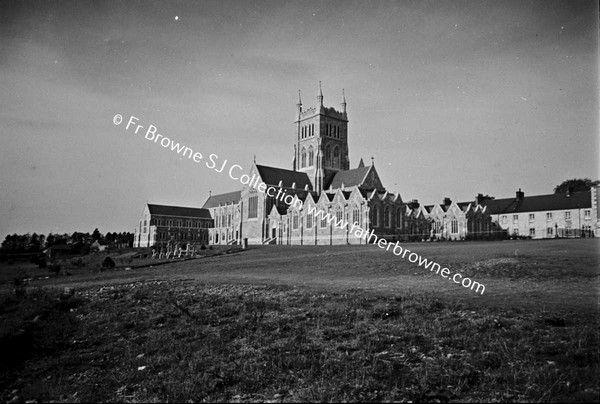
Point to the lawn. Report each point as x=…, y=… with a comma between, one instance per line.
x=347, y=323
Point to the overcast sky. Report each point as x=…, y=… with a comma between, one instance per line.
x=451, y=98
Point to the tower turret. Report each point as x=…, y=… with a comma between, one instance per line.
x=320, y=96
x=299, y=106
x=343, y=102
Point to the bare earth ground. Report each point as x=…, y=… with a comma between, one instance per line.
x=349, y=323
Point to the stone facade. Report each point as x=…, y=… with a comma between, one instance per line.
x=173, y=226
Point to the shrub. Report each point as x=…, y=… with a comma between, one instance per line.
x=108, y=263
x=55, y=267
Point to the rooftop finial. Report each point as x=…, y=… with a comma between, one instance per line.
x=343, y=101
x=320, y=96
x=299, y=99
x=372, y=160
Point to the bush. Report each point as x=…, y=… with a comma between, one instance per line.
x=108, y=263
x=77, y=262
x=55, y=268
x=41, y=263
x=202, y=247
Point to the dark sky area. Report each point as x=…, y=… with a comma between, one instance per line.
x=451, y=98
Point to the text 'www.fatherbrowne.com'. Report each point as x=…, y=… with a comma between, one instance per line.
x=151, y=134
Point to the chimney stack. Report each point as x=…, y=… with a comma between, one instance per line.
x=520, y=195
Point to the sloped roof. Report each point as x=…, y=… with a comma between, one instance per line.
x=272, y=176
x=223, y=199
x=538, y=203
x=349, y=178
x=167, y=210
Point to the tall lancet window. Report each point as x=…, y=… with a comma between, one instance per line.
x=328, y=155
x=303, y=157
x=311, y=156
x=336, y=157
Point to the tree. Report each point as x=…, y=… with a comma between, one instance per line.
x=50, y=240
x=575, y=185
x=34, y=242
x=96, y=235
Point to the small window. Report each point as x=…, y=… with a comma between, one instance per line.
x=587, y=213
x=549, y=231
x=295, y=221
x=532, y=232
x=454, y=229
x=568, y=215
x=515, y=218
x=504, y=219
x=549, y=216
x=309, y=221
x=355, y=215
x=532, y=217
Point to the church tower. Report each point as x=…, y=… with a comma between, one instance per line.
x=321, y=147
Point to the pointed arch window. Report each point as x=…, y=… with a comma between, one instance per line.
x=374, y=221
x=303, y=157
x=355, y=215
x=328, y=155
x=311, y=156
x=312, y=129
x=387, y=217
x=399, y=218
x=253, y=204
x=336, y=157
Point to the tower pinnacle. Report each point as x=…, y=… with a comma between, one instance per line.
x=320, y=96
x=343, y=101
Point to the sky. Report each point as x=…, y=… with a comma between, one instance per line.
x=450, y=98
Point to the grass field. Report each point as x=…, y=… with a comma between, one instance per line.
x=347, y=323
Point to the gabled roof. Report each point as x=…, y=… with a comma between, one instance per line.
x=273, y=175
x=539, y=203
x=167, y=210
x=349, y=178
x=223, y=199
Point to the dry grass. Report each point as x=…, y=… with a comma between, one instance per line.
x=233, y=333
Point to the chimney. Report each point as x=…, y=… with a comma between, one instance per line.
x=569, y=192
x=447, y=201
x=520, y=195
x=478, y=199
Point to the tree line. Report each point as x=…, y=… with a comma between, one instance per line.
x=32, y=242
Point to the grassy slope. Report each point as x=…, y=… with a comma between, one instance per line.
x=318, y=324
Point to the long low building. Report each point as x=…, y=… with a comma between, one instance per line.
x=174, y=226
x=574, y=214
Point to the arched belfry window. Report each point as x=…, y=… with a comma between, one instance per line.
x=311, y=156
x=312, y=129
x=336, y=157
x=303, y=157
x=328, y=155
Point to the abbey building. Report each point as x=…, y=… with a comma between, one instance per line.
x=335, y=199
